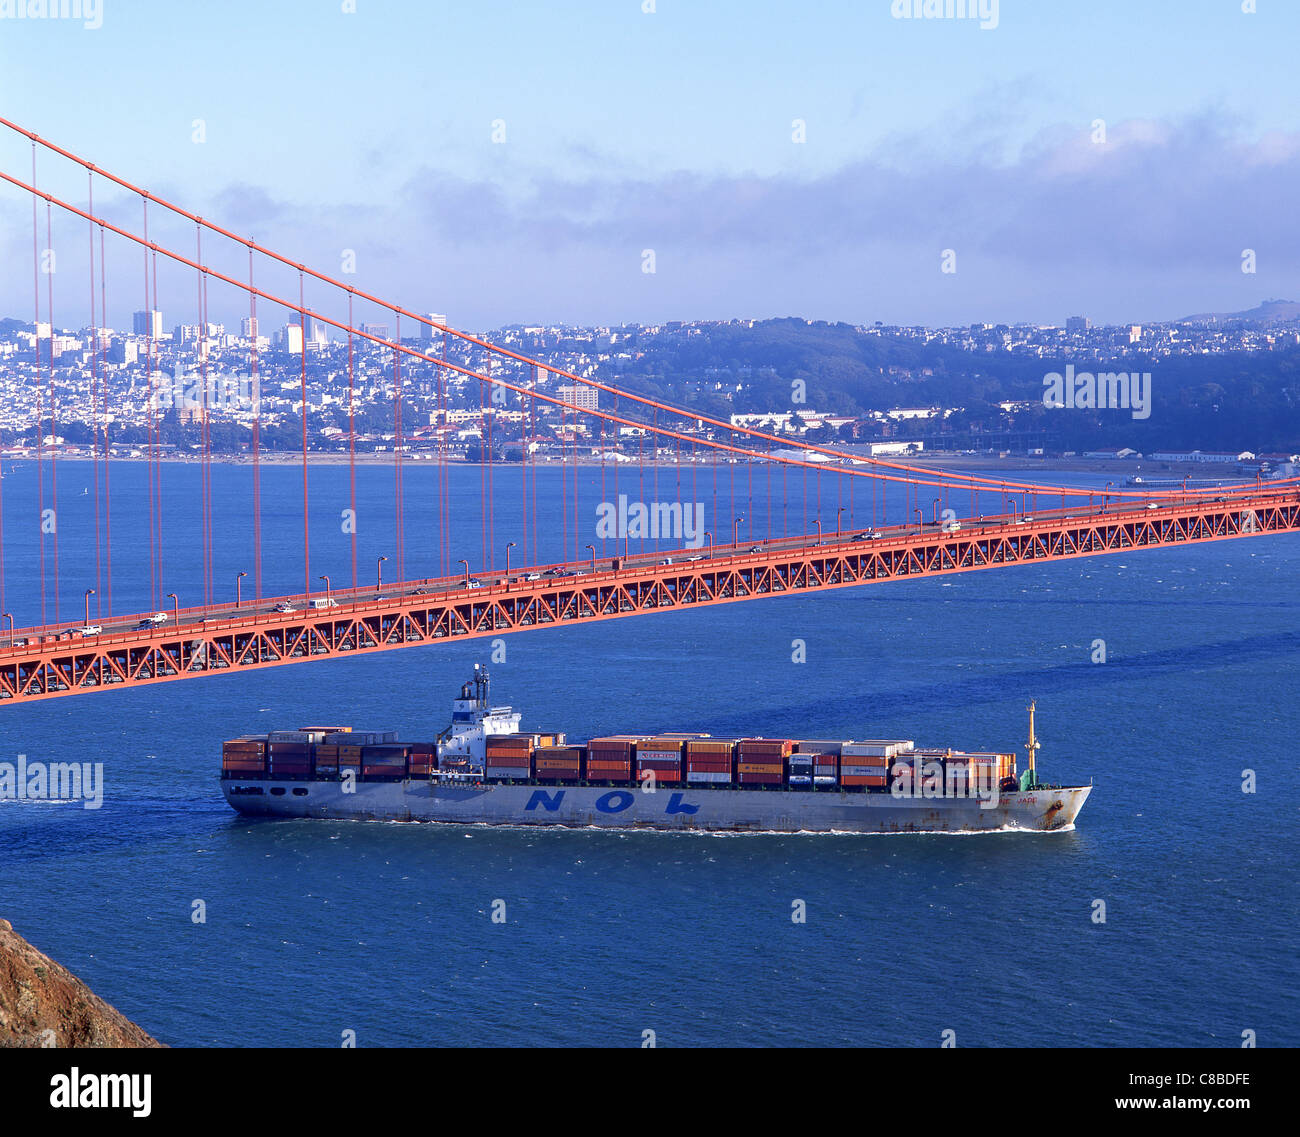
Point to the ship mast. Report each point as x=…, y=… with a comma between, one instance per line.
x=1032, y=746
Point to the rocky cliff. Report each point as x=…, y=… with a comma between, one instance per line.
x=44, y=1004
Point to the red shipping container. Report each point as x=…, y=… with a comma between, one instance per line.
x=383, y=770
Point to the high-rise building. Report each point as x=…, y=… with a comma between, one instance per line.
x=148, y=323
x=379, y=331
x=1077, y=325
x=434, y=318
x=123, y=351
x=1135, y=333
x=581, y=396
x=248, y=328
x=291, y=338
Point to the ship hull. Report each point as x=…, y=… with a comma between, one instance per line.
x=668, y=808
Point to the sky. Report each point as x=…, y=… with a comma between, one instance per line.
x=517, y=162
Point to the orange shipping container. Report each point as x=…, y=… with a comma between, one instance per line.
x=760, y=767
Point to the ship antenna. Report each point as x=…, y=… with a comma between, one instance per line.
x=1032, y=746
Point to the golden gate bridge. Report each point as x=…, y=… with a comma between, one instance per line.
x=573, y=574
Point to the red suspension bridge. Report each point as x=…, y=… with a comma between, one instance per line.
x=562, y=429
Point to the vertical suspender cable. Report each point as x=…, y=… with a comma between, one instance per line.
x=352, y=445
x=306, y=533
x=256, y=442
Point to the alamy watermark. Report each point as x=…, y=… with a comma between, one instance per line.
x=985, y=11
x=52, y=781
x=225, y=392
x=89, y=12
x=674, y=520
x=916, y=778
x=1106, y=390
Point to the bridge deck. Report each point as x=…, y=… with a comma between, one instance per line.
x=48, y=663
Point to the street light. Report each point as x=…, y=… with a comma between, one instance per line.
x=464, y=562
x=379, y=574
x=935, y=510
x=176, y=607
x=920, y=520
x=239, y=588
x=510, y=546
x=327, y=587
x=710, y=537
x=7, y=616
x=593, y=557
x=818, y=522
x=89, y=593
x=735, y=531
x=838, y=514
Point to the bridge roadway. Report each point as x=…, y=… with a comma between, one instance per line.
x=127, y=651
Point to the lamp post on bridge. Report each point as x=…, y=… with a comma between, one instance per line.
x=509, y=545
x=593, y=557
x=89, y=593
x=934, y=510
x=464, y=562
x=709, y=537
x=920, y=520
x=379, y=575
x=839, y=513
x=176, y=607
x=239, y=589
x=735, y=531
x=818, y=522
x=10, y=618
x=327, y=589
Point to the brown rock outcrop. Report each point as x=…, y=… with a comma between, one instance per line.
x=43, y=1004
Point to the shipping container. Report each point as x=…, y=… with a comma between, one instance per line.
x=383, y=770
x=760, y=767
x=604, y=770
x=875, y=747
x=711, y=747
x=508, y=773
x=862, y=780
x=760, y=749
x=829, y=746
x=361, y=737
x=718, y=777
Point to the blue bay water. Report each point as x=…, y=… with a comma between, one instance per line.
x=316, y=928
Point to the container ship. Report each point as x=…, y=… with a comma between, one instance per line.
x=482, y=769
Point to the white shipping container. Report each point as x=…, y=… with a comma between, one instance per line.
x=707, y=776
x=819, y=780
x=876, y=747
x=658, y=756
x=290, y=736
x=872, y=771
x=507, y=772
